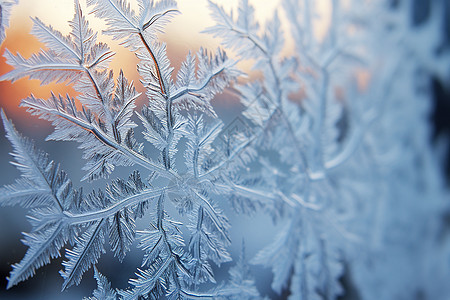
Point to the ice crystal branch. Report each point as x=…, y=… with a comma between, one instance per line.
x=104, y=127
x=332, y=145
x=5, y=12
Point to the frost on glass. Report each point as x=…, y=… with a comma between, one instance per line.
x=332, y=144
x=5, y=11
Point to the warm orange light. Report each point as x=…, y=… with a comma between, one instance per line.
x=182, y=35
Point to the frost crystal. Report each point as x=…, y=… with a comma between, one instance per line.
x=332, y=145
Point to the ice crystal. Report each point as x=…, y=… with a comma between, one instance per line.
x=342, y=164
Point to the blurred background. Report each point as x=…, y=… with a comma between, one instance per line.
x=182, y=35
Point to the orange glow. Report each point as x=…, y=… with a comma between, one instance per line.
x=12, y=93
x=182, y=35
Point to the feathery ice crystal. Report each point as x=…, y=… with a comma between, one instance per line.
x=334, y=146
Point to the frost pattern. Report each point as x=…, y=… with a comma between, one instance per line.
x=5, y=11
x=333, y=146
x=351, y=153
